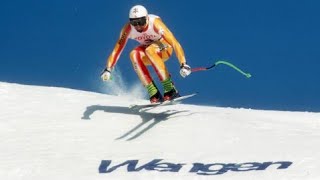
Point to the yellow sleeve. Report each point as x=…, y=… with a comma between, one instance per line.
x=121, y=43
x=161, y=28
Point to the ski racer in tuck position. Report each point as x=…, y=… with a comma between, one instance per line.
x=157, y=44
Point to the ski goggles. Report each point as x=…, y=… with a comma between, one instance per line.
x=138, y=21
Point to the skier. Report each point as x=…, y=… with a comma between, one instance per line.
x=156, y=46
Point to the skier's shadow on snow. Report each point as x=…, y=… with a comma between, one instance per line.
x=145, y=116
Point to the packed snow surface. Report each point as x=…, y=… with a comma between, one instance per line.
x=58, y=133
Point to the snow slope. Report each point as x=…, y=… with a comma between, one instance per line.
x=57, y=133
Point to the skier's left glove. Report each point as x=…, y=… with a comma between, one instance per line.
x=106, y=74
x=185, y=70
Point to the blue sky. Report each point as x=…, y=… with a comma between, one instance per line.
x=65, y=43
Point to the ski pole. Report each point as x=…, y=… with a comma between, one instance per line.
x=248, y=75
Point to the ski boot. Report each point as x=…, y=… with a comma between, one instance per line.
x=154, y=93
x=170, y=92
x=156, y=98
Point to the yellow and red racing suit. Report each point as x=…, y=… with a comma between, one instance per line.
x=156, y=46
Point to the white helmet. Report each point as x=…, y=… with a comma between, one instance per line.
x=138, y=11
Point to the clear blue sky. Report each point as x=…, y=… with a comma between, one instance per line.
x=65, y=43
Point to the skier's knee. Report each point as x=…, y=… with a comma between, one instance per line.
x=133, y=55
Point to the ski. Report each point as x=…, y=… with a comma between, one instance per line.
x=174, y=101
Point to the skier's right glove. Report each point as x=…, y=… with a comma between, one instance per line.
x=106, y=74
x=185, y=70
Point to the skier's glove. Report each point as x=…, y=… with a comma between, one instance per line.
x=185, y=70
x=106, y=74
